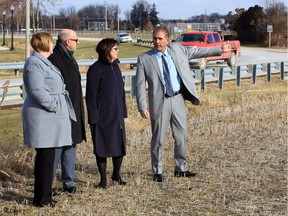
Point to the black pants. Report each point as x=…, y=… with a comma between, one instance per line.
x=43, y=172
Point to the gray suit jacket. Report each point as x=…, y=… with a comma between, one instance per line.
x=148, y=71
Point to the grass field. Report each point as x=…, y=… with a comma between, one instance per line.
x=86, y=49
x=237, y=143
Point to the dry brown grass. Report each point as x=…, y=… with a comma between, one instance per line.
x=237, y=143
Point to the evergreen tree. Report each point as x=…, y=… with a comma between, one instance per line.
x=153, y=15
x=139, y=14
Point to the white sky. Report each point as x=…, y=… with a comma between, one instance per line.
x=173, y=9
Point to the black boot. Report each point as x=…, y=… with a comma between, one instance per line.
x=101, y=164
x=117, y=162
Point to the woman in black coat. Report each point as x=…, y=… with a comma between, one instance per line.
x=106, y=107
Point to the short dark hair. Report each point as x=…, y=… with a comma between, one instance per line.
x=161, y=29
x=104, y=47
x=40, y=41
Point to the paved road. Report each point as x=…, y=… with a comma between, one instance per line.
x=261, y=55
x=258, y=56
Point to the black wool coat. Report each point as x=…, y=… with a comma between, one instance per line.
x=72, y=78
x=106, y=106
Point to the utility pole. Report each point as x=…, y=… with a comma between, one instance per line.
x=118, y=18
x=12, y=8
x=4, y=28
x=27, y=37
x=106, y=16
x=53, y=19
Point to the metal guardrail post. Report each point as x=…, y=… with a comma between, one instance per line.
x=203, y=84
x=238, y=76
x=269, y=72
x=282, y=70
x=133, y=86
x=254, y=74
x=220, y=78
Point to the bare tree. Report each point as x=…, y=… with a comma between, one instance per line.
x=72, y=19
x=37, y=14
x=276, y=15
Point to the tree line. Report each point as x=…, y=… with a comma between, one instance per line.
x=250, y=26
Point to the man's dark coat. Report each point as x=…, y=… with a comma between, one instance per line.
x=72, y=78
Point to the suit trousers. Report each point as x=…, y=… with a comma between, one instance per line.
x=67, y=156
x=43, y=172
x=173, y=113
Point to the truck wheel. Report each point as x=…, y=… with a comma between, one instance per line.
x=202, y=62
x=231, y=61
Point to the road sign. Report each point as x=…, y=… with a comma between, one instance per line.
x=269, y=28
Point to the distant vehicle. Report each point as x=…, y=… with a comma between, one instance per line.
x=123, y=38
x=210, y=39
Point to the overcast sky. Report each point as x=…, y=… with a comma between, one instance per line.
x=173, y=9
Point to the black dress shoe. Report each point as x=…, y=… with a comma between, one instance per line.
x=101, y=186
x=119, y=181
x=158, y=178
x=186, y=174
x=71, y=190
x=36, y=204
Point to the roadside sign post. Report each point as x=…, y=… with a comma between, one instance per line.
x=269, y=30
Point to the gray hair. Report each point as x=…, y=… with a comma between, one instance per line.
x=65, y=34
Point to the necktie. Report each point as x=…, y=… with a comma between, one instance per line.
x=167, y=79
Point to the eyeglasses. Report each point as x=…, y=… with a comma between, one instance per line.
x=115, y=48
x=76, y=40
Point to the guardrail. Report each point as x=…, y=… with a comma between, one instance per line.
x=16, y=66
x=10, y=91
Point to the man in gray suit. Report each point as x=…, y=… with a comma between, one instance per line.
x=166, y=95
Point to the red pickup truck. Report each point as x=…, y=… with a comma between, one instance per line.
x=210, y=39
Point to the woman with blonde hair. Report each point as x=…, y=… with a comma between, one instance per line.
x=46, y=115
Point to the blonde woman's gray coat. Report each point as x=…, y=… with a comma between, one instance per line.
x=47, y=109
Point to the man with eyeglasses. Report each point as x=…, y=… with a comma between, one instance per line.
x=64, y=60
